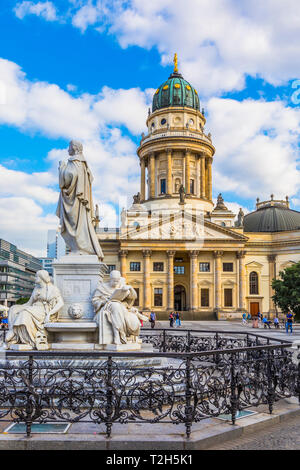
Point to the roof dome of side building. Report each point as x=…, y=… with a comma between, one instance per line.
x=272, y=216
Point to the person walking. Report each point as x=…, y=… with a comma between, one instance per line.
x=152, y=319
x=171, y=318
x=178, y=320
x=244, y=319
x=276, y=322
x=289, y=323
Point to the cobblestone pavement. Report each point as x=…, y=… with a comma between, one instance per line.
x=281, y=436
x=233, y=326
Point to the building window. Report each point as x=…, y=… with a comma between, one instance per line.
x=204, y=267
x=137, y=300
x=192, y=188
x=111, y=267
x=253, y=282
x=135, y=266
x=158, y=266
x=163, y=186
x=228, y=267
x=158, y=297
x=179, y=269
x=204, y=297
x=227, y=297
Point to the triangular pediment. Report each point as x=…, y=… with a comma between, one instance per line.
x=181, y=226
x=254, y=265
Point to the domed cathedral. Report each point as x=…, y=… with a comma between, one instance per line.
x=174, y=246
x=177, y=154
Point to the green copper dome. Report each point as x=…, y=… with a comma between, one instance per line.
x=175, y=92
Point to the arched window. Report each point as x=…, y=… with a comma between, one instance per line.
x=253, y=282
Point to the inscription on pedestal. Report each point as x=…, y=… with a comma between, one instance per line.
x=78, y=289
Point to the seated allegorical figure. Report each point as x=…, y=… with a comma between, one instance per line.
x=26, y=322
x=119, y=322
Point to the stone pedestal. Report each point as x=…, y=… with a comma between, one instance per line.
x=77, y=278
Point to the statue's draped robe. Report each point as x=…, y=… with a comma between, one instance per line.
x=28, y=319
x=75, y=208
x=116, y=311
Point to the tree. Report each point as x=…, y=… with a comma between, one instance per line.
x=287, y=290
x=22, y=300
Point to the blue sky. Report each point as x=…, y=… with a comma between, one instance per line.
x=88, y=69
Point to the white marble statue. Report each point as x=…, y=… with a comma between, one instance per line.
x=118, y=321
x=75, y=206
x=26, y=322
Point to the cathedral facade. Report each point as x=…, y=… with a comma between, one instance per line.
x=174, y=246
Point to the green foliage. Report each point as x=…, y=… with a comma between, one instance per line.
x=287, y=290
x=22, y=300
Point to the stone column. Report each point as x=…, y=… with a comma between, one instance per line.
x=152, y=175
x=218, y=270
x=147, y=288
x=169, y=172
x=193, y=279
x=123, y=262
x=170, y=287
x=143, y=180
x=202, y=176
x=198, y=176
x=241, y=278
x=187, y=171
x=209, y=179
x=272, y=275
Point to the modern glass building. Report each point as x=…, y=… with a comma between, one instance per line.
x=17, y=272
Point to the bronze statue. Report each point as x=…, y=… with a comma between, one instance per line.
x=182, y=194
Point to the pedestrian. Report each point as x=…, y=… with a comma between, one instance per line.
x=249, y=317
x=289, y=323
x=276, y=322
x=152, y=319
x=259, y=316
x=171, y=318
x=178, y=320
x=254, y=321
x=244, y=319
x=266, y=323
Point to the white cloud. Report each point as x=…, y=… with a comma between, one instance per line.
x=23, y=223
x=46, y=108
x=46, y=10
x=87, y=15
x=18, y=183
x=218, y=41
x=256, y=147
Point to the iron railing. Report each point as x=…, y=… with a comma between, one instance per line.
x=220, y=373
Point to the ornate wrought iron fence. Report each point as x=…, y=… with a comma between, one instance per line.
x=158, y=387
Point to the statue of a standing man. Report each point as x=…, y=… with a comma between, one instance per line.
x=75, y=205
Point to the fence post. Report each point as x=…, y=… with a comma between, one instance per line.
x=271, y=391
x=28, y=396
x=298, y=377
x=233, y=395
x=217, y=358
x=188, y=346
x=109, y=397
x=164, y=340
x=188, y=394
